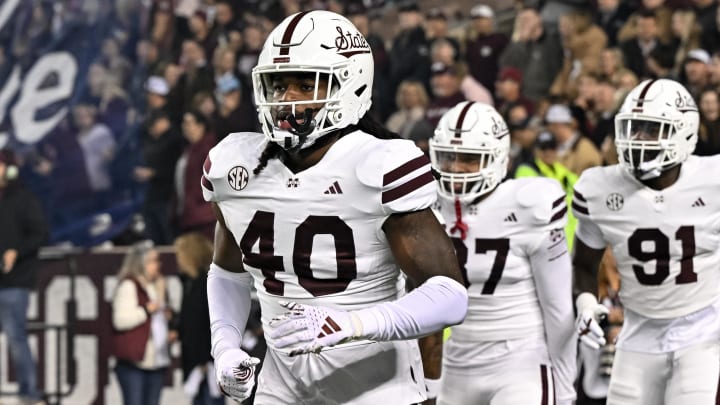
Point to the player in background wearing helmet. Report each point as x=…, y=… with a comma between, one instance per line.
x=659, y=211
x=517, y=344
x=320, y=213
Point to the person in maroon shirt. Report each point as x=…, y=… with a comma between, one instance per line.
x=446, y=93
x=482, y=51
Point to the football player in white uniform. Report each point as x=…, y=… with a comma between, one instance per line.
x=659, y=211
x=319, y=213
x=518, y=342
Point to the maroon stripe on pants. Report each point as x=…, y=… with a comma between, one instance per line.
x=544, y=379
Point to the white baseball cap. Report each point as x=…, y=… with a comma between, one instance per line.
x=558, y=114
x=482, y=10
x=157, y=85
x=699, y=55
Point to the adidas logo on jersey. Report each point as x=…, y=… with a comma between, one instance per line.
x=698, y=203
x=329, y=328
x=334, y=189
x=510, y=218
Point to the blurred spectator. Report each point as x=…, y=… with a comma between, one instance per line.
x=508, y=90
x=161, y=148
x=484, y=46
x=582, y=42
x=715, y=70
x=197, y=75
x=604, y=108
x=106, y=93
x=421, y=133
x=194, y=252
x=24, y=231
x=412, y=101
x=162, y=27
x=114, y=61
x=139, y=314
x=660, y=64
x=611, y=15
x=685, y=37
x=236, y=112
x=576, y=152
x=224, y=22
x=637, y=49
x=200, y=30
x=546, y=164
x=443, y=52
x=254, y=38
x=611, y=63
x=436, y=29
x=663, y=17
x=193, y=213
x=98, y=148
x=446, y=93
x=381, y=107
x=697, y=72
x=709, y=134
x=707, y=16
x=522, y=136
x=536, y=52
x=205, y=103
x=409, y=53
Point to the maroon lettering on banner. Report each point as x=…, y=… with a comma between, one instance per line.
x=97, y=268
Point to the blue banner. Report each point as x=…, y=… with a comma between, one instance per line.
x=67, y=110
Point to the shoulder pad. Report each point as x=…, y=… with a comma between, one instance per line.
x=544, y=199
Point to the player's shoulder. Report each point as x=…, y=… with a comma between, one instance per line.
x=386, y=161
x=542, y=198
x=231, y=160
x=703, y=164
x=599, y=179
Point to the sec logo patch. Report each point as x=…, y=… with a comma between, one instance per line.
x=238, y=178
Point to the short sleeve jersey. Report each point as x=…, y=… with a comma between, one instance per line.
x=666, y=242
x=315, y=237
x=504, y=231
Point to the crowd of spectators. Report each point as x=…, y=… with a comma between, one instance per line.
x=173, y=77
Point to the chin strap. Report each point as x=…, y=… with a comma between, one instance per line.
x=304, y=129
x=460, y=226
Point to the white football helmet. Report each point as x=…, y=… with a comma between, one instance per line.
x=470, y=151
x=656, y=128
x=327, y=45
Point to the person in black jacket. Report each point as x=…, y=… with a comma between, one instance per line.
x=194, y=253
x=23, y=230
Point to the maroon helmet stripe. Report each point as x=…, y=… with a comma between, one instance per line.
x=287, y=35
x=407, y=188
x=461, y=118
x=405, y=169
x=641, y=97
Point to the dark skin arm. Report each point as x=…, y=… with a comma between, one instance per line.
x=227, y=252
x=586, y=262
x=423, y=250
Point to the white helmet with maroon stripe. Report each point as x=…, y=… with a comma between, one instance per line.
x=656, y=128
x=321, y=44
x=470, y=151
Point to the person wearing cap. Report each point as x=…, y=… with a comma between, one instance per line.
x=546, y=163
x=409, y=56
x=576, y=152
x=508, y=89
x=484, y=46
x=24, y=230
x=235, y=112
x=536, y=52
x=697, y=71
x=442, y=51
x=436, y=29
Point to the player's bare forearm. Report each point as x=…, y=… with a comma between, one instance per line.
x=431, y=352
x=421, y=246
x=586, y=261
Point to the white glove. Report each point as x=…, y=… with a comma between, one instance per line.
x=235, y=374
x=307, y=329
x=590, y=312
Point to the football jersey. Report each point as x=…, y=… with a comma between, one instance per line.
x=666, y=242
x=504, y=231
x=315, y=237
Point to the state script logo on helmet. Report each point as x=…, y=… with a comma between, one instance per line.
x=329, y=46
x=470, y=150
x=656, y=128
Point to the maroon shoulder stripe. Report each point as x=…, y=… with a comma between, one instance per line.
x=461, y=119
x=405, y=169
x=289, y=30
x=579, y=208
x=579, y=196
x=558, y=214
x=558, y=201
x=207, y=165
x=406, y=188
x=544, y=380
x=206, y=183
